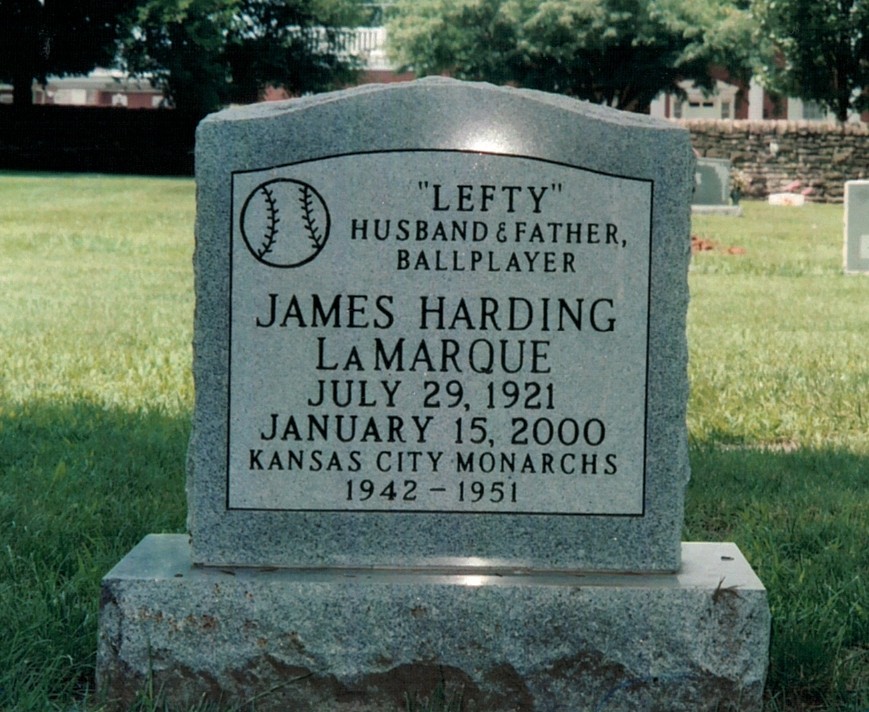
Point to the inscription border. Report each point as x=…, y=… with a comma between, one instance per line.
x=233, y=237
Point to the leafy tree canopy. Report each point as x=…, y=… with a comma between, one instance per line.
x=616, y=52
x=207, y=53
x=42, y=37
x=821, y=51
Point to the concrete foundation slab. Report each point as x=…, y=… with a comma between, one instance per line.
x=362, y=639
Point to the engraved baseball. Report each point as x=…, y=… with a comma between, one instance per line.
x=284, y=223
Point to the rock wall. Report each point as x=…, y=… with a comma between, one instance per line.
x=773, y=154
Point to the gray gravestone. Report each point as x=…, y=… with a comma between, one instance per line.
x=440, y=368
x=712, y=182
x=437, y=338
x=856, y=249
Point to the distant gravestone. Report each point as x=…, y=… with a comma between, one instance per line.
x=712, y=182
x=712, y=188
x=856, y=249
x=440, y=368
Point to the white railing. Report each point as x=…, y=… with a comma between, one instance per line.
x=366, y=43
x=366, y=39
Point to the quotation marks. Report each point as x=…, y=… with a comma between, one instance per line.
x=555, y=187
x=468, y=197
x=285, y=223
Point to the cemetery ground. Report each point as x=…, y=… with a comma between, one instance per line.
x=96, y=399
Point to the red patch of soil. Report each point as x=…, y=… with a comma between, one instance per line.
x=701, y=244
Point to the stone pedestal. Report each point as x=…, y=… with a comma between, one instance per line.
x=362, y=639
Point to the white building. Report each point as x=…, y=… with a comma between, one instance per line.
x=102, y=87
x=730, y=101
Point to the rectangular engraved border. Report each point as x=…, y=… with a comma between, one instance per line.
x=372, y=510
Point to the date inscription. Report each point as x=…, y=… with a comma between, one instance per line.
x=472, y=338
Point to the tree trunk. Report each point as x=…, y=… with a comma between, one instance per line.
x=843, y=100
x=22, y=88
x=847, y=65
x=22, y=33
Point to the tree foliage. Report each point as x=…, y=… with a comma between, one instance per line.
x=616, y=52
x=42, y=37
x=821, y=51
x=207, y=53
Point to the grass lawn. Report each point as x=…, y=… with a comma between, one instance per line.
x=95, y=403
x=779, y=426
x=96, y=398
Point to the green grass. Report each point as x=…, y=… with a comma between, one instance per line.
x=96, y=397
x=779, y=424
x=96, y=320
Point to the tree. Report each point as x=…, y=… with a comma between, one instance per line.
x=822, y=51
x=42, y=37
x=616, y=52
x=207, y=53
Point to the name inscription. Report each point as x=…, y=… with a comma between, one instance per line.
x=438, y=331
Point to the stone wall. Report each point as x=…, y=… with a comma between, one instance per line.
x=775, y=153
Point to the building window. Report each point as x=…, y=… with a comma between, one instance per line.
x=725, y=110
x=813, y=111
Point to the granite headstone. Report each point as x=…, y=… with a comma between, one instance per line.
x=712, y=182
x=856, y=247
x=439, y=432
x=456, y=332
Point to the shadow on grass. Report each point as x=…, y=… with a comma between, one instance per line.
x=80, y=484
x=801, y=517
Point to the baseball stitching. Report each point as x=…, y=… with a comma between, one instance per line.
x=271, y=235
x=310, y=220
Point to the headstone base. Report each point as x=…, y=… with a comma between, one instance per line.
x=787, y=199
x=362, y=639
x=728, y=210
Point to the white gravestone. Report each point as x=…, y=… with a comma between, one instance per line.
x=856, y=247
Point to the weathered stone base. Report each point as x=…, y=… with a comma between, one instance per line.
x=362, y=639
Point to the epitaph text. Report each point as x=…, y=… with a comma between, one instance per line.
x=465, y=333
